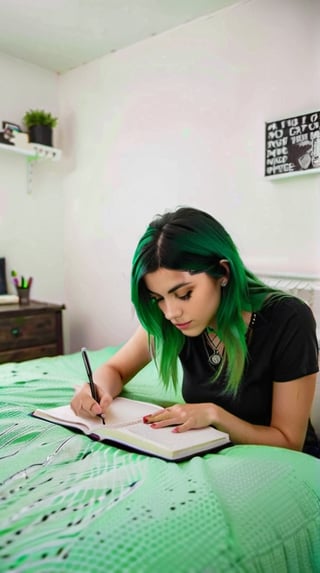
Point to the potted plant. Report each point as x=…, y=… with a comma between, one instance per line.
x=39, y=124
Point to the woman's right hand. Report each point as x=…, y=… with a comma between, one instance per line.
x=110, y=377
x=84, y=405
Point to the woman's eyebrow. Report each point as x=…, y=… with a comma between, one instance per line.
x=173, y=289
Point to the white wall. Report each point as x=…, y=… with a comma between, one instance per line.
x=179, y=119
x=31, y=225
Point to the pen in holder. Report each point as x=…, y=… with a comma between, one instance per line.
x=23, y=288
x=24, y=295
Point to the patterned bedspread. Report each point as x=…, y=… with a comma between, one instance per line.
x=69, y=504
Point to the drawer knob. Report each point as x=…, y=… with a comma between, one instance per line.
x=15, y=332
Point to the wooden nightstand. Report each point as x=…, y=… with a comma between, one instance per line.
x=30, y=331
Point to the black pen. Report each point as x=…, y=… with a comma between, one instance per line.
x=90, y=378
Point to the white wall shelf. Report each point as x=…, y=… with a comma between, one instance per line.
x=33, y=152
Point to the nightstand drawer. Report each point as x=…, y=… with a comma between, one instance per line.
x=30, y=331
x=20, y=354
x=27, y=330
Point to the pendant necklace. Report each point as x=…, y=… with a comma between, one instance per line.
x=215, y=357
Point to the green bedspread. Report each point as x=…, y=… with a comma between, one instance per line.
x=71, y=504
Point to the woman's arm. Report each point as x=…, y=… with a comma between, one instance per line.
x=112, y=375
x=291, y=407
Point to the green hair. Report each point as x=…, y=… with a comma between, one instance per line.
x=191, y=240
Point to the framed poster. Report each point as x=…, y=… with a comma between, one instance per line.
x=3, y=281
x=292, y=146
x=8, y=129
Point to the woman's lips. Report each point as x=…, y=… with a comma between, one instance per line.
x=183, y=325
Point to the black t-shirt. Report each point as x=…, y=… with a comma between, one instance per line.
x=282, y=347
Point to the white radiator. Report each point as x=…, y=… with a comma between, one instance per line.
x=308, y=289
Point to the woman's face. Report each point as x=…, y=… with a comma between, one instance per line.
x=189, y=301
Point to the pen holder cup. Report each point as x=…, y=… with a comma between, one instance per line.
x=24, y=295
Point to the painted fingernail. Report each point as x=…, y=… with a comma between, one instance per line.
x=145, y=419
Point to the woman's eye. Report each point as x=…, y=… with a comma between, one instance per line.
x=155, y=300
x=186, y=296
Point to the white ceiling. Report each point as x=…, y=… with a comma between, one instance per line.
x=63, y=34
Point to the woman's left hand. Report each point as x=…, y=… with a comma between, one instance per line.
x=183, y=416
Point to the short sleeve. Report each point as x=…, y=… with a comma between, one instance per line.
x=296, y=349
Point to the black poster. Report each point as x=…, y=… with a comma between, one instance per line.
x=293, y=145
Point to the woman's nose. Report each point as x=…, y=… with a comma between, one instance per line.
x=172, y=310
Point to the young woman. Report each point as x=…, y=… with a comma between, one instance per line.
x=248, y=352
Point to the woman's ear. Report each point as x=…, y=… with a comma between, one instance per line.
x=224, y=263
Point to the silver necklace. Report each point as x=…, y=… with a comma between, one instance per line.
x=214, y=357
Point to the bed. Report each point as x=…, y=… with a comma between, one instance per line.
x=75, y=505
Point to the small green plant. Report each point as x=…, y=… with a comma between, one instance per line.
x=39, y=117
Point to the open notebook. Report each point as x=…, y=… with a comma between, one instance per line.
x=124, y=425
